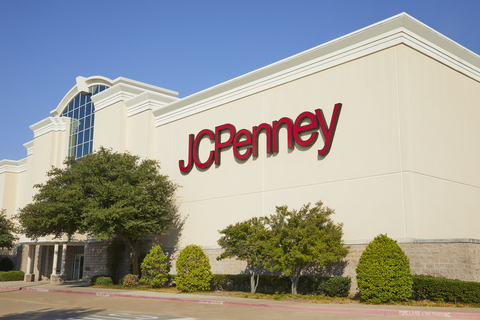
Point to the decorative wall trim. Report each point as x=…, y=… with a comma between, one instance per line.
x=12, y=166
x=48, y=125
x=400, y=29
x=136, y=98
x=147, y=101
x=29, y=147
x=413, y=240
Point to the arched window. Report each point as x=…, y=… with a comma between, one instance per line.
x=81, y=111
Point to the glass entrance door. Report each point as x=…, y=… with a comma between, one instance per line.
x=77, y=270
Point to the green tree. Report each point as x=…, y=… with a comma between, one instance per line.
x=383, y=272
x=107, y=194
x=303, y=239
x=193, y=270
x=155, y=268
x=7, y=230
x=247, y=241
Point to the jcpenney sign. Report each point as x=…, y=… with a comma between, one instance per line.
x=304, y=131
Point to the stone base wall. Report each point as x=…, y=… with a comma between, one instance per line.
x=455, y=260
x=449, y=260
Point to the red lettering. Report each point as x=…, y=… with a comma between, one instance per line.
x=198, y=163
x=298, y=128
x=220, y=145
x=181, y=163
x=238, y=144
x=276, y=128
x=255, y=132
x=327, y=133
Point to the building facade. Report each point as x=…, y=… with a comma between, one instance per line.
x=383, y=125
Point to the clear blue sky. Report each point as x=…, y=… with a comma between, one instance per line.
x=182, y=45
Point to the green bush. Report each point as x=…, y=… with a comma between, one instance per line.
x=93, y=280
x=130, y=280
x=445, y=290
x=6, y=264
x=383, y=272
x=193, y=270
x=335, y=286
x=12, y=275
x=328, y=286
x=155, y=268
x=104, y=281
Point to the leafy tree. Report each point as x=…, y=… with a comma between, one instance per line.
x=247, y=241
x=303, y=239
x=107, y=194
x=7, y=230
x=193, y=270
x=383, y=272
x=154, y=272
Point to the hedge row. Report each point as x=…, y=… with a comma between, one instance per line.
x=328, y=286
x=12, y=275
x=445, y=290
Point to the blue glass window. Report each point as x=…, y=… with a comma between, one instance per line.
x=81, y=111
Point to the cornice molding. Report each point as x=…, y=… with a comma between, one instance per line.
x=119, y=92
x=400, y=29
x=12, y=166
x=136, y=98
x=48, y=125
x=29, y=147
x=147, y=101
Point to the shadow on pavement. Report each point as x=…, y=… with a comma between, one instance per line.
x=52, y=314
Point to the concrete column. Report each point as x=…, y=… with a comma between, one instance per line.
x=55, y=259
x=29, y=276
x=31, y=255
x=64, y=259
x=37, y=262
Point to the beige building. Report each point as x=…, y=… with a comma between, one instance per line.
x=402, y=157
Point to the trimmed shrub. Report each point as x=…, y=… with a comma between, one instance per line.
x=193, y=270
x=6, y=264
x=104, y=281
x=12, y=275
x=445, y=290
x=335, y=286
x=130, y=280
x=328, y=286
x=154, y=272
x=383, y=272
x=93, y=280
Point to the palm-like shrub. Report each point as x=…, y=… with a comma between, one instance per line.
x=383, y=272
x=193, y=270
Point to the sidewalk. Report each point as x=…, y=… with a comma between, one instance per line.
x=79, y=288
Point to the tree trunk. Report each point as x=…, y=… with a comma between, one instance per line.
x=295, y=276
x=294, y=284
x=253, y=285
x=133, y=254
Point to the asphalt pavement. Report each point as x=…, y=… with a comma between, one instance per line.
x=342, y=310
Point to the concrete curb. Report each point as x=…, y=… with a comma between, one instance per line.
x=385, y=312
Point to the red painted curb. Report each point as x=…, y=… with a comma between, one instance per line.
x=385, y=312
